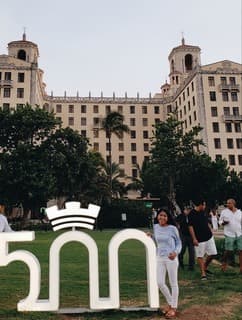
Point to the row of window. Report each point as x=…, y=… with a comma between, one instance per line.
x=133, y=146
x=7, y=92
x=97, y=121
x=8, y=76
x=226, y=111
x=223, y=80
x=228, y=127
x=225, y=96
x=132, y=109
x=231, y=159
x=178, y=102
x=230, y=143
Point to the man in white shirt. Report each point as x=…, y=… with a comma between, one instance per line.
x=4, y=226
x=231, y=219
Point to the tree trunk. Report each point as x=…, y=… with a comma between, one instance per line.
x=176, y=210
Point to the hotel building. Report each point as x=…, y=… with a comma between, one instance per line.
x=208, y=95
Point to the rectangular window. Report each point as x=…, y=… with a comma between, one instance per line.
x=183, y=96
x=20, y=77
x=239, y=143
x=121, y=159
x=232, y=160
x=95, y=133
x=211, y=81
x=214, y=111
x=133, y=146
x=240, y=161
x=192, y=84
x=20, y=92
x=237, y=127
x=84, y=133
x=190, y=120
x=145, y=122
x=6, y=92
x=212, y=95
x=108, y=109
x=232, y=80
x=95, y=109
x=223, y=80
x=134, y=160
x=188, y=92
x=230, y=143
x=96, y=121
x=58, y=108
x=121, y=146
x=185, y=110
x=169, y=108
x=215, y=127
x=225, y=96
x=193, y=101
x=226, y=111
x=71, y=121
x=120, y=109
x=71, y=108
x=157, y=120
x=228, y=127
x=132, y=122
x=132, y=134
x=218, y=157
x=194, y=116
x=189, y=105
x=156, y=109
x=8, y=76
x=180, y=114
x=145, y=134
x=234, y=96
x=83, y=121
x=217, y=143
x=235, y=111
x=144, y=109
x=83, y=108
x=146, y=147
x=132, y=109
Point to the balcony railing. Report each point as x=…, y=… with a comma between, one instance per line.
x=229, y=87
x=232, y=118
x=6, y=83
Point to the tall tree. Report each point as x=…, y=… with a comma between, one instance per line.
x=169, y=146
x=113, y=124
x=25, y=125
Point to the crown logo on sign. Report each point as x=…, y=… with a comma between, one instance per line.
x=73, y=216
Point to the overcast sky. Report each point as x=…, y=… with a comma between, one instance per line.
x=119, y=45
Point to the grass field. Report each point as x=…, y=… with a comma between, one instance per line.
x=220, y=297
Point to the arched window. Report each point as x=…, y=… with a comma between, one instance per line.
x=188, y=62
x=22, y=55
x=172, y=66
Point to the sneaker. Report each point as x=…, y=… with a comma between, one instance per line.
x=204, y=278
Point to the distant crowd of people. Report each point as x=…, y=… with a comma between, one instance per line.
x=193, y=230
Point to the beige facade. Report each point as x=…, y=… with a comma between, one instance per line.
x=206, y=95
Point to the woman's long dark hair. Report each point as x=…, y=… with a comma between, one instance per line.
x=170, y=219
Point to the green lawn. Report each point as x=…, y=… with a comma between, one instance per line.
x=14, y=280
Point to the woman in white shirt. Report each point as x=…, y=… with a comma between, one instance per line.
x=168, y=243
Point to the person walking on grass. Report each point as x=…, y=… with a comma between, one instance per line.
x=182, y=220
x=202, y=237
x=231, y=219
x=168, y=244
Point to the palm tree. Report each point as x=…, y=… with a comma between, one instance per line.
x=113, y=124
